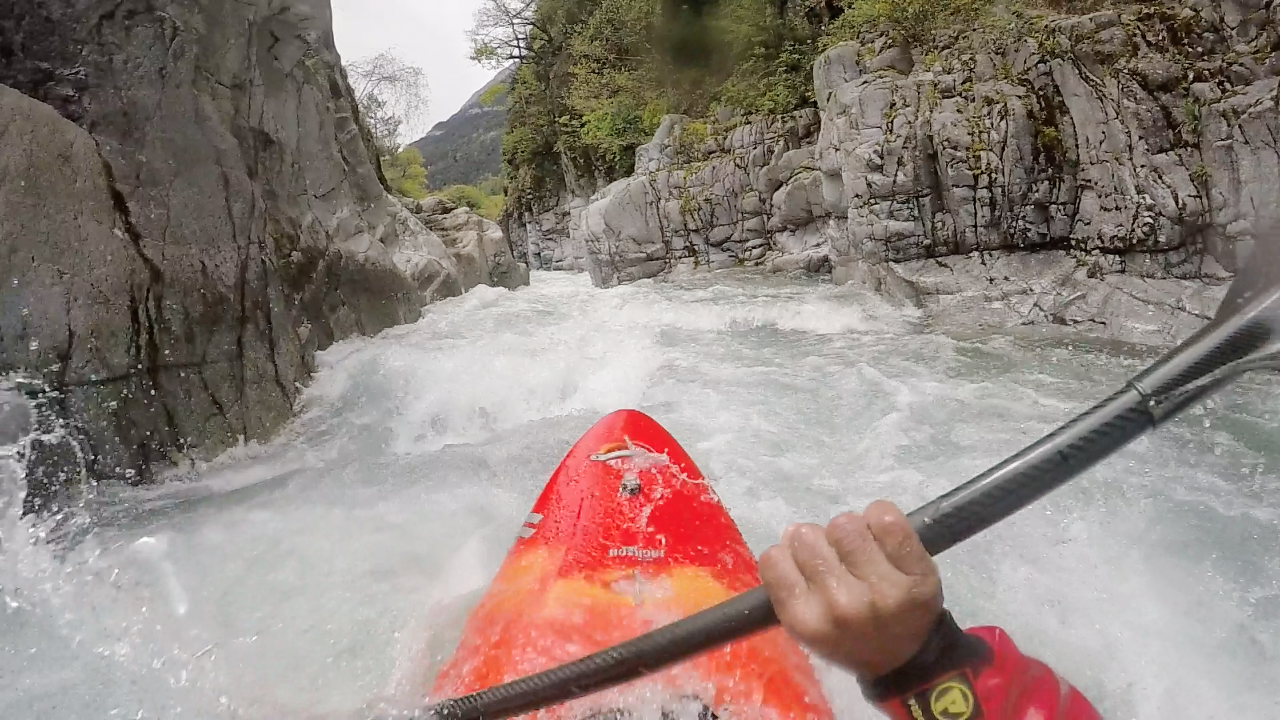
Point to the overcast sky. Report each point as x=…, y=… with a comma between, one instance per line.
x=428, y=33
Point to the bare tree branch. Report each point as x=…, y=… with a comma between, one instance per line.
x=506, y=30
x=393, y=98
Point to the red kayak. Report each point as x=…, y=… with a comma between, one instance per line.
x=628, y=536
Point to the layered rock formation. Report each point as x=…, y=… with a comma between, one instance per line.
x=704, y=198
x=477, y=246
x=540, y=236
x=1095, y=171
x=202, y=218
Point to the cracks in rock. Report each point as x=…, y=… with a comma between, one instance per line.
x=152, y=309
x=204, y=381
x=142, y=372
x=1274, y=145
x=976, y=172
x=172, y=31
x=65, y=369
x=1176, y=307
x=656, y=206
x=323, y=195
x=113, y=13
x=210, y=78
x=144, y=316
x=1074, y=214
x=271, y=337
x=135, y=333
x=239, y=371
x=125, y=214
x=1002, y=208
x=242, y=323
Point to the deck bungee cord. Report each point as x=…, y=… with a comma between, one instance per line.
x=1241, y=338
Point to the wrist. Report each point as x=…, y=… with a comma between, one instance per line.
x=945, y=649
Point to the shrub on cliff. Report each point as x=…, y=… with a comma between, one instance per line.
x=913, y=22
x=614, y=95
x=485, y=201
x=405, y=173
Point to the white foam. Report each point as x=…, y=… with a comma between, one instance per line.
x=323, y=570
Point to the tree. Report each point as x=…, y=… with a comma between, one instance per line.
x=483, y=203
x=495, y=94
x=506, y=31
x=405, y=173
x=393, y=98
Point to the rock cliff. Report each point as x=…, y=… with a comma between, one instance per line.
x=1095, y=171
x=706, y=197
x=203, y=217
x=477, y=245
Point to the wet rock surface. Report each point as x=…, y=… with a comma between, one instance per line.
x=189, y=209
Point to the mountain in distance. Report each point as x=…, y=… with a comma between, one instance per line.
x=467, y=148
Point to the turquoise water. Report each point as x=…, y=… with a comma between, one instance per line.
x=321, y=573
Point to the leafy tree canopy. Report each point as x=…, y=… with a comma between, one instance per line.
x=406, y=174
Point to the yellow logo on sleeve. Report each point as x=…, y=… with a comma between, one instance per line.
x=952, y=700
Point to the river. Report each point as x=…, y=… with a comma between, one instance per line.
x=295, y=578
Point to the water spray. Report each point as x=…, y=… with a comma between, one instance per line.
x=1241, y=338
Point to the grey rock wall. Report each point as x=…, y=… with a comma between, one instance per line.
x=711, y=197
x=1085, y=145
x=477, y=246
x=540, y=236
x=204, y=216
x=1096, y=171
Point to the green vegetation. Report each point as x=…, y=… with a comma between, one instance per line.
x=1191, y=116
x=486, y=199
x=1050, y=141
x=405, y=173
x=494, y=95
x=693, y=135
x=594, y=78
x=915, y=22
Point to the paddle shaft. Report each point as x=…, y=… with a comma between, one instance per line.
x=942, y=523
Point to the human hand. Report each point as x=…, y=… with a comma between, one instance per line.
x=862, y=592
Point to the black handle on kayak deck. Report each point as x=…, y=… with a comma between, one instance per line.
x=942, y=523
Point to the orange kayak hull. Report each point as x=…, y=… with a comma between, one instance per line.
x=628, y=536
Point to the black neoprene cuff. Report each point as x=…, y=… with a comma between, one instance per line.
x=947, y=649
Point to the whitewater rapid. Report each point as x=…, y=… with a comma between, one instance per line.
x=299, y=578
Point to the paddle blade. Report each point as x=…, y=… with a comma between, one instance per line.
x=1257, y=273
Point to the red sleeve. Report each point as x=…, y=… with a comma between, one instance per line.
x=976, y=675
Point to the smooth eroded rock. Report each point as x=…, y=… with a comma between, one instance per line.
x=203, y=216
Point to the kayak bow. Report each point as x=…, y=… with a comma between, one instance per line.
x=628, y=536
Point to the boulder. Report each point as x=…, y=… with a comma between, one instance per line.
x=477, y=246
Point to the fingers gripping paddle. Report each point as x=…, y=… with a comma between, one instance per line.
x=1228, y=346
